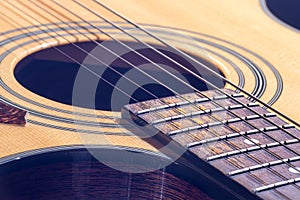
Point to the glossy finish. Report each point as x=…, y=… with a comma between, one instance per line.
x=249, y=144
x=287, y=11
x=73, y=173
x=12, y=115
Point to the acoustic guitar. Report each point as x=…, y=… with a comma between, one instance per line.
x=148, y=100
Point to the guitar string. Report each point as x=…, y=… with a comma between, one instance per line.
x=180, y=66
x=156, y=37
x=196, y=75
x=64, y=8
x=183, y=53
x=73, y=13
x=140, y=41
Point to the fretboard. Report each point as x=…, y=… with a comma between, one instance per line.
x=245, y=142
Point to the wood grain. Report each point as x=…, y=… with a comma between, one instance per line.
x=221, y=19
x=250, y=145
x=227, y=23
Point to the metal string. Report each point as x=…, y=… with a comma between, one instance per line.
x=167, y=56
x=154, y=36
x=135, y=38
x=73, y=13
x=177, y=64
x=183, y=67
x=111, y=37
x=183, y=53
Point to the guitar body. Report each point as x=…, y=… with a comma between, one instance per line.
x=237, y=38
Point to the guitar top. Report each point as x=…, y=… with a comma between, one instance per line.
x=79, y=73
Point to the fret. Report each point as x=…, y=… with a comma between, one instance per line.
x=283, y=192
x=212, y=149
x=291, y=190
x=260, y=166
x=230, y=122
x=253, y=180
x=276, y=185
x=161, y=114
x=180, y=113
x=220, y=97
x=235, y=95
x=172, y=105
x=287, y=171
x=253, y=148
x=242, y=161
x=233, y=107
x=171, y=102
x=269, y=135
x=193, y=110
x=263, y=142
x=180, y=116
x=252, y=104
x=267, y=176
x=195, y=136
x=288, y=126
x=192, y=99
x=261, y=155
x=217, y=110
x=265, y=139
x=283, y=169
x=271, y=131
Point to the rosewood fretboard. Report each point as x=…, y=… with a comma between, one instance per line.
x=234, y=135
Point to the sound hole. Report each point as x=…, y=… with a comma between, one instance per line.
x=287, y=11
x=51, y=74
x=75, y=174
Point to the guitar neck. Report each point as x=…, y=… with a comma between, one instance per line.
x=235, y=136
